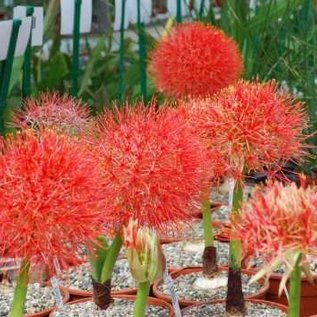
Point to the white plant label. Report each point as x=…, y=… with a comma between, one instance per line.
x=131, y=12
x=67, y=16
x=5, y=35
x=170, y=285
x=24, y=36
x=57, y=293
x=37, y=25
x=231, y=185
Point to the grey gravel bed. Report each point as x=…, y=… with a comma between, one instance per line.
x=218, y=310
x=184, y=287
x=189, y=253
x=38, y=298
x=119, y=308
x=79, y=278
x=221, y=214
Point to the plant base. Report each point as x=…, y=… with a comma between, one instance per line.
x=102, y=294
x=210, y=266
x=235, y=304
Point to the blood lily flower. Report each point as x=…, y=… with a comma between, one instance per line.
x=51, y=110
x=253, y=126
x=195, y=60
x=154, y=172
x=153, y=164
x=280, y=224
x=49, y=202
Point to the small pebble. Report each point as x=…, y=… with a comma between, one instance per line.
x=218, y=310
x=119, y=308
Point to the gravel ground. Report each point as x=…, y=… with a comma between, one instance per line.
x=253, y=310
x=185, y=290
x=79, y=278
x=39, y=298
x=189, y=253
x=119, y=308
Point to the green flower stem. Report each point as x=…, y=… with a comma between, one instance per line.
x=208, y=229
x=294, y=292
x=235, y=245
x=112, y=256
x=141, y=299
x=17, y=308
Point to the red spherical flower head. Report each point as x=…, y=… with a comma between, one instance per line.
x=253, y=126
x=152, y=164
x=195, y=60
x=280, y=222
x=50, y=110
x=49, y=198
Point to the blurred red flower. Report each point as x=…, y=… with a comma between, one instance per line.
x=253, y=126
x=51, y=110
x=154, y=168
x=195, y=60
x=279, y=221
x=49, y=198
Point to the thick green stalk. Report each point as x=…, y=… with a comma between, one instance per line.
x=208, y=229
x=235, y=245
x=17, y=308
x=121, y=59
x=26, y=82
x=294, y=291
x=112, y=256
x=141, y=299
x=76, y=48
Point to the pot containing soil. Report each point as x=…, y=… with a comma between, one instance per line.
x=121, y=306
x=255, y=307
x=188, y=287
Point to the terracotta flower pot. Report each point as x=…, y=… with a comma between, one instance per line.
x=151, y=301
x=281, y=307
x=76, y=294
x=47, y=312
x=308, y=294
x=261, y=294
